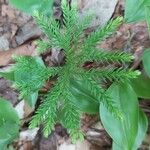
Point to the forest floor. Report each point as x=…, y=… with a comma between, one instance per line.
x=17, y=35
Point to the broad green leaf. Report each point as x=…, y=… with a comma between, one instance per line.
x=123, y=132
x=116, y=147
x=146, y=61
x=141, y=86
x=135, y=10
x=142, y=128
x=7, y=112
x=9, y=124
x=83, y=99
x=8, y=132
x=147, y=9
x=29, y=6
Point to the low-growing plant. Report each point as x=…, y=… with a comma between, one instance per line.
x=79, y=89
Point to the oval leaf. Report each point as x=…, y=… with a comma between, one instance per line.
x=82, y=97
x=134, y=14
x=142, y=128
x=123, y=132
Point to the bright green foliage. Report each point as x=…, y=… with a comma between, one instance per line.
x=83, y=96
x=128, y=133
x=29, y=6
x=29, y=75
x=9, y=124
x=135, y=10
x=142, y=128
x=58, y=101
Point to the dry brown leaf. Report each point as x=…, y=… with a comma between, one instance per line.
x=26, y=49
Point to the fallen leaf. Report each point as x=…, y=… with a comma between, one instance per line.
x=26, y=49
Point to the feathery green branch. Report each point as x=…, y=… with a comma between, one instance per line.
x=32, y=72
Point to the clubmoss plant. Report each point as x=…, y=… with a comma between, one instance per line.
x=56, y=105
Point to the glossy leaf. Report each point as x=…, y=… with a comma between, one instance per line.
x=123, y=132
x=29, y=6
x=83, y=99
x=141, y=86
x=135, y=10
x=146, y=61
x=9, y=124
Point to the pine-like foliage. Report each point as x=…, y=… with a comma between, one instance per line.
x=56, y=105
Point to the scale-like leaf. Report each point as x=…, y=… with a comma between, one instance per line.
x=30, y=78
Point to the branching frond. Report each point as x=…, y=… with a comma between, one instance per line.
x=31, y=73
x=71, y=118
x=102, y=33
x=70, y=16
x=43, y=46
x=102, y=95
x=53, y=71
x=113, y=74
x=104, y=56
x=47, y=109
x=73, y=26
x=51, y=28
